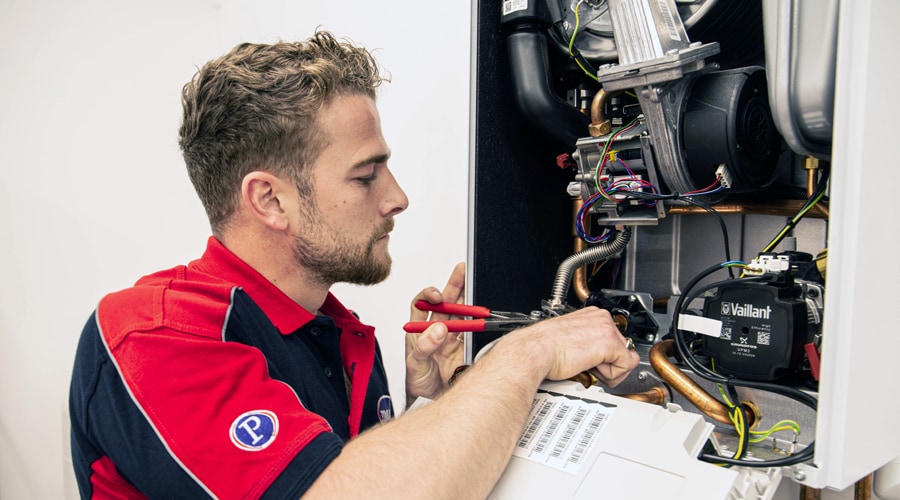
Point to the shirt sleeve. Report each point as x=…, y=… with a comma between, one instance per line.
x=212, y=405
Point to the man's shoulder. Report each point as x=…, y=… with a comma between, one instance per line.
x=180, y=282
x=180, y=299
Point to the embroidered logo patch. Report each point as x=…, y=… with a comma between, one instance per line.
x=254, y=430
x=385, y=410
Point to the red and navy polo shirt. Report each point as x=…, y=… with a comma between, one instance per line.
x=206, y=380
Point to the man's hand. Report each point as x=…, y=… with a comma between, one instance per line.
x=433, y=355
x=586, y=339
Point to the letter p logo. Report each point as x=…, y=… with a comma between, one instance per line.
x=254, y=430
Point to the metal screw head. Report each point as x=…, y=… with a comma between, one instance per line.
x=799, y=474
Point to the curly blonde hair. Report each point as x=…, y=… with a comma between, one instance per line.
x=256, y=108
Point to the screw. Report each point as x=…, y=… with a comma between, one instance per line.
x=799, y=474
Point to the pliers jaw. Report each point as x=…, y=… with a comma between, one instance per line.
x=483, y=319
x=501, y=321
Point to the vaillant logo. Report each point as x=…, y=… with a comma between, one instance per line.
x=745, y=310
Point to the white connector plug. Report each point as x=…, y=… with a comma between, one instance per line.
x=724, y=176
x=767, y=264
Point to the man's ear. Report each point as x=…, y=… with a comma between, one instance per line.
x=266, y=197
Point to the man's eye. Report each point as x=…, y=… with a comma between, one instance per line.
x=365, y=181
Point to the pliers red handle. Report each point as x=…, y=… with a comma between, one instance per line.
x=483, y=318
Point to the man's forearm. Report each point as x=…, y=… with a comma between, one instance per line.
x=456, y=447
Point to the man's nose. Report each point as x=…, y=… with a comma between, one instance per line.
x=395, y=200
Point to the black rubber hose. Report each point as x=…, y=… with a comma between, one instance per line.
x=530, y=68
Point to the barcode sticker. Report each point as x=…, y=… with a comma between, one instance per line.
x=510, y=6
x=560, y=432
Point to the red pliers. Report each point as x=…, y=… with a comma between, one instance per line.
x=483, y=319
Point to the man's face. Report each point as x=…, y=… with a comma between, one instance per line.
x=343, y=235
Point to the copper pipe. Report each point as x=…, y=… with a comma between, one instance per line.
x=786, y=208
x=600, y=126
x=807, y=493
x=654, y=395
x=862, y=490
x=659, y=360
x=812, y=177
x=580, y=280
x=811, y=165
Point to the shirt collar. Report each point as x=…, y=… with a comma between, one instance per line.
x=285, y=314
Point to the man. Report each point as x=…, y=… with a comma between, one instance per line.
x=240, y=375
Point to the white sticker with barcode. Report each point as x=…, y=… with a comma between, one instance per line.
x=510, y=6
x=560, y=431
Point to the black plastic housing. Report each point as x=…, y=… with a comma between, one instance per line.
x=764, y=327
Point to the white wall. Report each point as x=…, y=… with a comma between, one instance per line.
x=93, y=192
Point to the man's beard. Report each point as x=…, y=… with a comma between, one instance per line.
x=332, y=257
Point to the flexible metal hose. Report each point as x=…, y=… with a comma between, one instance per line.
x=597, y=252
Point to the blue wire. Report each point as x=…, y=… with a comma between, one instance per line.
x=579, y=226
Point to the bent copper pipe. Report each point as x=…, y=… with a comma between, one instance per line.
x=659, y=360
x=600, y=126
x=580, y=279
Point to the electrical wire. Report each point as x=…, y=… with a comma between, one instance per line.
x=715, y=187
x=815, y=198
x=686, y=297
x=722, y=226
x=597, y=267
x=575, y=54
x=584, y=210
x=803, y=455
x=736, y=413
x=782, y=425
x=730, y=383
x=632, y=187
x=739, y=423
x=580, y=217
x=692, y=200
x=607, y=147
